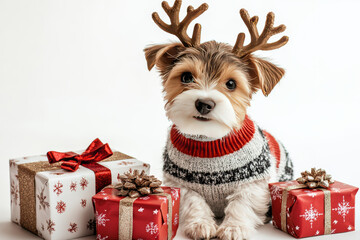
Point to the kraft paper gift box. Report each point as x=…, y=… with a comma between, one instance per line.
x=57, y=204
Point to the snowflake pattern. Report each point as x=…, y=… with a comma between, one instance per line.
x=287, y=212
x=125, y=163
x=57, y=173
x=58, y=188
x=343, y=208
x=176, y=219
x=14, y=191
x=144, y=198
x=99, y=237
x=50, y=226
x=286, y=184
x=101, y=219
x=155, y=211
x=60, y=207
x=311, y=215
x=152, y=228
x=141, y=210
x=275, y=192
x=73, y=186
x=164, y=199
x=43, y=204
x=91, y=224
x=311, y=193
x=83, y=203
x=73, y=227
x=83, y=183
x=175, y=194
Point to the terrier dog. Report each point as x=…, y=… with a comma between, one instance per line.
x=218, y=156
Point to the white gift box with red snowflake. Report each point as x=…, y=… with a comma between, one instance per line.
x=63, y=205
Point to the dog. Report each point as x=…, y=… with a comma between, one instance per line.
x=215, y=153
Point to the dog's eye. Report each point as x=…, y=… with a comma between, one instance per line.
x=187, y=77
x=231, y=84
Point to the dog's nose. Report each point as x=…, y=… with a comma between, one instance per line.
x=204, y=106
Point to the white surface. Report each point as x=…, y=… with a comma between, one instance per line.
x=71, y=71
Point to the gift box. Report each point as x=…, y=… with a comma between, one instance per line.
x=155, y=216
x=304, y=212
x=54, y=200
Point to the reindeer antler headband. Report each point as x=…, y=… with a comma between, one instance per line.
x=258, y=42
x=179, y=28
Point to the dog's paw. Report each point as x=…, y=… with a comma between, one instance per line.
x=203, y=229
x=230, y=231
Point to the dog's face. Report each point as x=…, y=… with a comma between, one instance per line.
x=208, y=88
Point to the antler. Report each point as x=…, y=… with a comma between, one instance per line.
x=178, y=28
x=258, y=42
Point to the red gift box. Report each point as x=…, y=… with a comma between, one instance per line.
x=144, y=217
x=311, y=212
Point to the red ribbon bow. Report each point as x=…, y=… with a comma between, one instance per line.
x=97, y=151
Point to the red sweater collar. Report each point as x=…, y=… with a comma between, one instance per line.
x=217, y=148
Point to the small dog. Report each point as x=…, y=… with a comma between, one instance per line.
x=218, y=156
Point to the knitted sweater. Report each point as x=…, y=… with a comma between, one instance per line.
x=214, y=168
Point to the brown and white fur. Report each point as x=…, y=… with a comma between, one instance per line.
x=212, y=65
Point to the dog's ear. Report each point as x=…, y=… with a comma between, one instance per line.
x=264, y=75
x=162, y=55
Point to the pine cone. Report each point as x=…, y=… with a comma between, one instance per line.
x=315, y=178
x=134, y=185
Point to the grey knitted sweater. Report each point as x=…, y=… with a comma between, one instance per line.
x=214, y=168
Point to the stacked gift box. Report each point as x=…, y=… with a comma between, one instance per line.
x=54, y=200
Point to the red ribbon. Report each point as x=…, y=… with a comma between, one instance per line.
x=97, y=151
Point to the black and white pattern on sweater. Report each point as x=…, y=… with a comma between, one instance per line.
x=288, y=173
x=257, y=167
x=216, y=178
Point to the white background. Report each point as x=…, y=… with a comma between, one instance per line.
x=71, y=71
